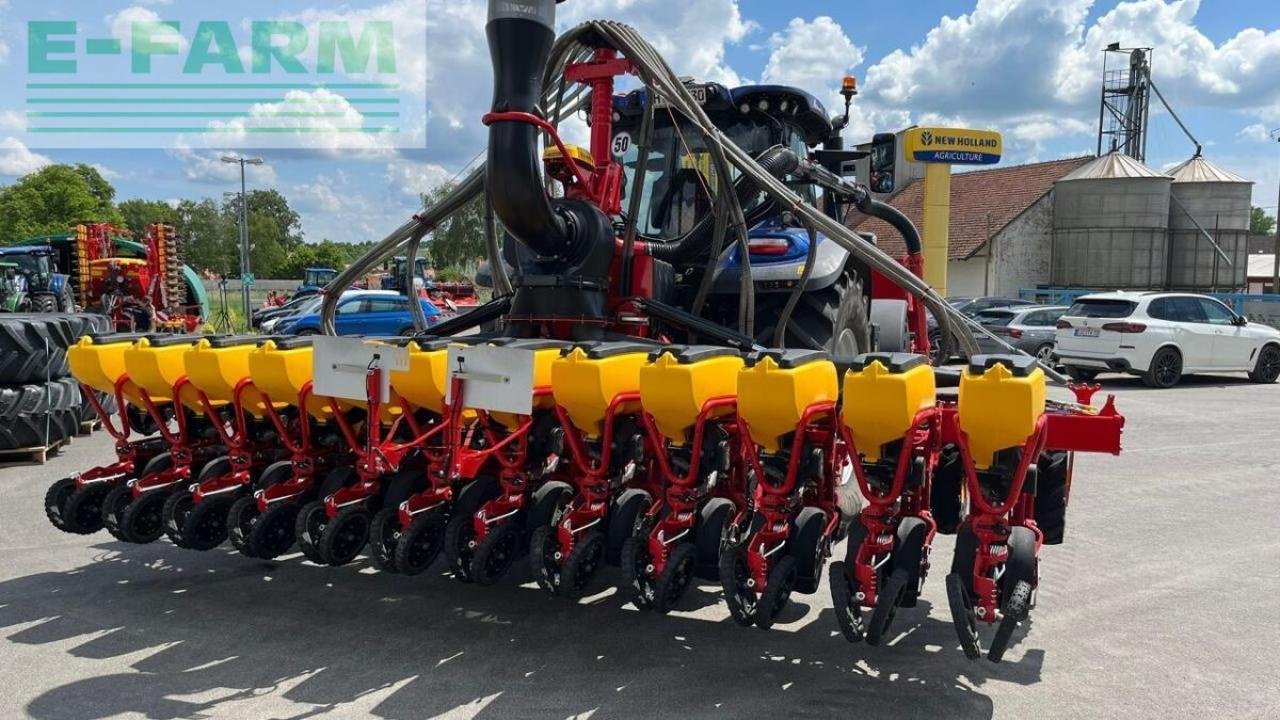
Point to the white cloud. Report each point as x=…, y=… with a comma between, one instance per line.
x=121, y=25
x=326, y=115
x=409, y=28
x=106, y=172
x=410, y=179
x=811, y=55
x=12, y=120
x=16, y=160
x=691, y=35
x=1256, y=132
x=208, y=168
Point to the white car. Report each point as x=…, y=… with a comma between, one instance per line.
x=1163, y=336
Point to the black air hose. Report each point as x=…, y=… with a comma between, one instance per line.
x=891, y=215
x=520, y=34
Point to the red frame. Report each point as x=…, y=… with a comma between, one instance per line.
x=818, y=426
x=681, y=494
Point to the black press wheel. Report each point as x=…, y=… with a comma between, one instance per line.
x=460, y=533
x=806, y=546
x=960, y=593
x=113, y=507
x=241, y=517
x=1166, y=369
x=308, y=528
x=205, y=526
x=142, y=520
x=635, y=560
x=55, y=501
x=544, y=558
x=714, y=520
x=1267, y=369
x=274, y=531
x=82, y=513
x=675, y=578
x=782, y=581
x=1016, y=587
x=848, y=611
x=495, y=555
x=420, y=543
x=345, y=535
x=584, y=561
x=384, y=533
x=176, y=508
x=623, y=513
x=735, y=579
x=887, y=600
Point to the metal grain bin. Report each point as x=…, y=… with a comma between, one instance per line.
x=1110, y=225
x=1208, y=199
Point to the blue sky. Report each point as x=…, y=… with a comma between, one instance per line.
x=1029, y=68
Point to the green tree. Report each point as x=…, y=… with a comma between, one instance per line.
x=1260, y=223
x=138, y=214
x=458, y=241
x=210, y=238
x=274, y=206
x=52, y=200
x=325, y=254
x=267, y=255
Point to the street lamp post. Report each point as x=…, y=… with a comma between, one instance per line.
x=245, y=269
x=1275, y=266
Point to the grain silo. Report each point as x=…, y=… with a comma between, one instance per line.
x=1110, y=225
x=1208, y=200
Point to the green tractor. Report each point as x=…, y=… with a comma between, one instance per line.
x=13, y=289
x=44, y=289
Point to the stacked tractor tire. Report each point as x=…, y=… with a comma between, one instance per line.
x=41, y=405
x=670, y=462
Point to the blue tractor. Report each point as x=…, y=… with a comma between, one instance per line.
x=314, y=280
x=46, y=290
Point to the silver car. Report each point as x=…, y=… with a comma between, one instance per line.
x=1030, y=329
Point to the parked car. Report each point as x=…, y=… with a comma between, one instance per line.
x=969, y=306
x=292, y=307
x=1031, y=329
x=1162, y=336
x=309, y=305
x=364, y=312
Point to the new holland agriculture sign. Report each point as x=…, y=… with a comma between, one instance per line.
x=955, y=146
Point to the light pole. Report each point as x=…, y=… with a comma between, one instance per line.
x=245, y=271
x=1275, y=268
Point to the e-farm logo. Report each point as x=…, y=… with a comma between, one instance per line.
x=138, y=79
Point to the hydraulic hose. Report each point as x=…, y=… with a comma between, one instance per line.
x=780, y=331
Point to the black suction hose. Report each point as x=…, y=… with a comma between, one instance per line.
x=520, y=34
x=891, y=215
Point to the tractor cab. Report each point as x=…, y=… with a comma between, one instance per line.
x=313, y=279
x=679, y=179
x=13, y=289
x=394, y=279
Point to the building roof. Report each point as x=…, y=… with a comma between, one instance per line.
x=1199, y=170
x=983, y=202
x=1114, y=164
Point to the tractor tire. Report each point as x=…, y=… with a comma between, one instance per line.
x=39, y=398
x=34, y=349
x=1053, y=488
x=835, y=318
x=44, y=303
x=38, y=431
x=66, y=299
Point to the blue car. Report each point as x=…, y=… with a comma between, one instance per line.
x=363, y=313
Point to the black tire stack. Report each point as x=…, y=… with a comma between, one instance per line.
x=40, y=403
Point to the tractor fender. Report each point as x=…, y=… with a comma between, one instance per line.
x=828, y=265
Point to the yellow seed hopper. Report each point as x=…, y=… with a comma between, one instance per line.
x=776, y=387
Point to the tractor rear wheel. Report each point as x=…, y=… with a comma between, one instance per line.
x=834, y=318
x=44, y=303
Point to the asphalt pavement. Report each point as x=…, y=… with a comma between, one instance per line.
x=1164, y=602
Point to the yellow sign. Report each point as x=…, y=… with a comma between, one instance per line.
x=953, y=146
